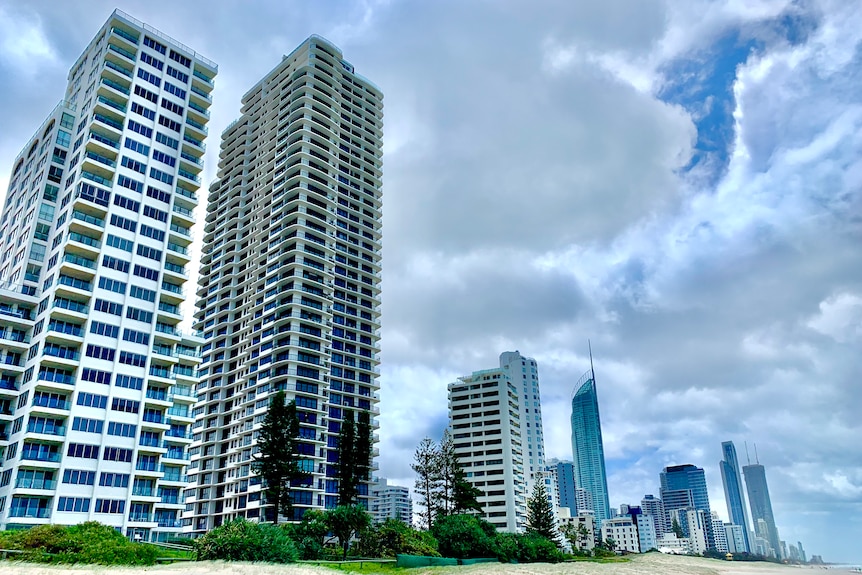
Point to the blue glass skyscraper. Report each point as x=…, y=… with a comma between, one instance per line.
x=733, y=494
x=685, y=486
x=761, y=505
x=588, y=451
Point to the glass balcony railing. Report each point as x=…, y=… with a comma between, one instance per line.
x=122, y=52
x=35, y=483
x=200, y=75
x=70, y=305
x=79, y=261
x=119, y=69
x=97, y=178
x=27, y=513
x=194, y=142
x=75, y=283
x=106, y=120
x=112, y=104
x=123, y=34
x=101, y=159
x=82, y=239
x=51, y=457
x=187, y=194
x=46, y=429
x=116, y=86
x=89, y=219
x=104, y=140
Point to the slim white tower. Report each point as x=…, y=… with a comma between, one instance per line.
x=97, y=381
x=289, y=292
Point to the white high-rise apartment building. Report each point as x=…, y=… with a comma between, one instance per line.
x=289, y=292
x=492, y=408
x=96, y=381
x=524, y=373
x=391, y=502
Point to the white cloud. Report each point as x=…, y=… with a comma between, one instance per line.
x=23, y=44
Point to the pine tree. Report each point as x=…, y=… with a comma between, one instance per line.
x=677, y=529
x=426, y=464
x=447, y=466
x=540, y=515
x=347, y=461
x=364, y=445
x=277, y=462
x=465, y=497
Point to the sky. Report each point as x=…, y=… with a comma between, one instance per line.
x=678, y=182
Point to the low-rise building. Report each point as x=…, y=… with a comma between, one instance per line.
x=391, y=502
x=671, y=544
x=624, y=533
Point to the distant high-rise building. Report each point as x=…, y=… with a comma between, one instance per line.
x=500, y=469
x=802, y=556
x=761, y=505
x=654, y=507
x=564, y=472
x=733, y=494
x=718, y=533
x=735, y=538
x=524, y=373
x=289, y=286
x=684, y=486
x=695, y=524
x=584, y=501
x=97, y=383
x=587, y=448
x=391, y=502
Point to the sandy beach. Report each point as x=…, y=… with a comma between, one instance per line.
x=651, y=564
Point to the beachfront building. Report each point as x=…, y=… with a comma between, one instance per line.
x=653, y=506
x=735, y=538
x=695, y=524
x=493, y=408
x=761, y=506
x=671, y=544
x=564, y=474
x=718, y=532
x=97, y=383
x=624, y=533
x=587, y=448
x=734, y=496
x=684, y=486
x=289, y=287
x=391, y=502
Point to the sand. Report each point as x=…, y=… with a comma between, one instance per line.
x=650, y=564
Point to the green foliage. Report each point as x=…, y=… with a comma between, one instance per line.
x=426, y=463
x=465, y=537
x=278, y=462
x=344, y=521
x=601, y=551
x=308, y=535
x=527, y=548
x=540, y=514
x=394, y=537
x=465, y=497
x=89, y=542
x=677, y=529
x=241, y=540
x=354, y=455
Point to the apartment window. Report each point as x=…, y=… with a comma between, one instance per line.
x=125, y=202
x=151, y=78
x=96, y=376
x=151, y=232
x=79, y=477
x=139, y=314
x=142, y=293
x=155, y=63
x=112, y=285
x=121, y=429
x=64, y=138
x=155, y=214
x=117, y=454
x=73, y=504
x=87, y=425
x=170, y=124
x=107, y=307
x=116, y=506
x=158, y=47
x=179, y=58
x=167, y=140
x=181, y=76
x=140, y=129
x=115, y=264
x=119, y=243
x=123, y=223
x=175, y=108
x=136, y=146
x=175, y=90
x=144, y=93
x=142, y=110
x=83, y=450
x=92, y=400
x=149, y=252
x=145, y=272
x=129, y=382
x=99, y=352
x=135, y=359
x=158, y=195
x=136, y=336
x=125, y=405
x=163, y=158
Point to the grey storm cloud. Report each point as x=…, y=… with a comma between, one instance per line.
x=536, y=196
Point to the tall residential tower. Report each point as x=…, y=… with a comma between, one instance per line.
x=761, y=506
x=97, y=382
x=733, y=494
x=289, y=292
x=588, y=450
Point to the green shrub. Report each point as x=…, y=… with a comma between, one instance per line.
x=395, y=537
x=242, y=540
x=527, y=548
x=89, y=542
x=465, y=537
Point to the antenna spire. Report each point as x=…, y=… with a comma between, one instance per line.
x=756, y=459
x=592, y=371
x=747, y=456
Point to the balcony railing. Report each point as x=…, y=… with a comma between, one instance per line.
x=116, y=86
x=117, y=68
x=79, y=261
x=104, y=140
x=35, y=483
x=44, y=429
x=123, y=34
x=75, y=283
x=89, y=219
x=25, y=513
x=97, y=178
x=104, y=119
x=70, y=305
x=82, y=239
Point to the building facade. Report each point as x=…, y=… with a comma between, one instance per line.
x=524, y=373
x=289, y=289
x=734, y=535
x=654, y=507
x=97, y=380
x=718, y=533
x=624, y=532
x=695, y=525
x=761, y=506
x=485, y=420
x=391, y=502
x=731, y=479
x=564, y=472
x=587, y=448
x=684, y=486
